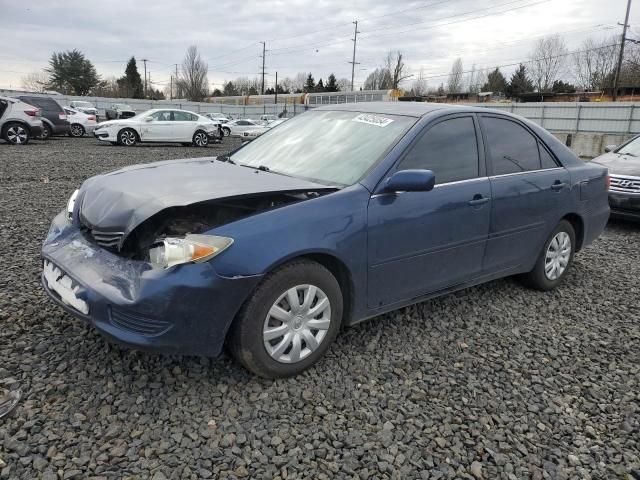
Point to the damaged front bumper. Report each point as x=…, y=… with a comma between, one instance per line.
x=183, y=310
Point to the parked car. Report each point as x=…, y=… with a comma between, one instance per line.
x=119, y=110
x=623, y=163
x=160, y=125
x=340, y=214
x=80, y=122
x=85, y=107
x=218, y=117
x=268, y=118
x=54, y=118
x=19, y=121
x=254, y=132
x=237, y=127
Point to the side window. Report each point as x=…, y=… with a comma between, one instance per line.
x=513, y=149
x=183, y=117
x=161, y=116
x=546, y=160
x=449, y=149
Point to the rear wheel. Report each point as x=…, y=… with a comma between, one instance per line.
x=46, y=131
x=555, y=259
x=76, y=130
x=16, y=134
x=200, y=139
x=127, y=137
x=226, y=131
x=289, y=321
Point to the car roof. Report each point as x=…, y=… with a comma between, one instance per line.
x=408, y=109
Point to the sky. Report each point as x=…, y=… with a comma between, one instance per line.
x=300, y=36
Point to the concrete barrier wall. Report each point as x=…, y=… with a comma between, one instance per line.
x=590, y=145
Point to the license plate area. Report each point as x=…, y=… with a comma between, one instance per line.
x=67, y=291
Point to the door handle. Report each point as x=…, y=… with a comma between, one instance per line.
x=478, y=200
x=558, y=185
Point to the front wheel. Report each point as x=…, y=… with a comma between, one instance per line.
x=289, y=321
x=16, y=134
x=46, y=131
x=76, y=130
x=200, y=139
x=554, y=260
x=226, y=131
x=127, y=137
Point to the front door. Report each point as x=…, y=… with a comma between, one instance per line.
x=159, y=129
x=422, y=242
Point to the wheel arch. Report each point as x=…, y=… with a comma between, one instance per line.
x=577, y=222
x=129, y=128
x=6, y=124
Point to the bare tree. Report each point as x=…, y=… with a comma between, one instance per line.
x=36, y=82
x=547, y=62
x=344, y=84
x=594, y=63
x=379, y=79
x=396, y=68
x=419, y=86
x=193, y=81
x=454, y=84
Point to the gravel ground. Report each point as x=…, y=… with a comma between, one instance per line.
x=493, y=382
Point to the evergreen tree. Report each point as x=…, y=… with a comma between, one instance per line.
x=310, y=84
x=229, y=89
x=562, y=87
x=71, y=73
x=495, y=82
x=520, y=82
x=131, y=82
x=332, y=85
x=320, y=86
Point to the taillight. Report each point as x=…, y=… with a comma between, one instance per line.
x=91, y=117
x=62, y=116
x=32, y=113
x=607, y=182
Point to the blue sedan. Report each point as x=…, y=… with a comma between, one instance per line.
x=337, y=215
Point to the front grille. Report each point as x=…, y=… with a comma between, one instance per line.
x=625, y=184
x=136, y=323
x=108, y=240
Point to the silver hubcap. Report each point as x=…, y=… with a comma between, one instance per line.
x=557, y=257
x=76, y=130
x=200, y=139
x=297, y=323
x=17, y=134
x=128, y=138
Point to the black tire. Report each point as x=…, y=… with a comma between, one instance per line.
x=200, y=139
x=16, y=133
x=76, y=130
x=538, y=278
x=46, y=131
x=226, y=131
x=127, y=137
x=245, y=339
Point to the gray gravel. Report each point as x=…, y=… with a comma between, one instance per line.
x=493, y=382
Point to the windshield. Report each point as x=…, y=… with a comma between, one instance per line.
x=632, y=148
x=83, y=104
x=329, y=147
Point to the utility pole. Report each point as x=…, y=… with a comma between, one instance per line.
x=177, y=92
x=276, y=100
x=145, y=76
x=171, y=89
x=353, y=61
x=616, y=81
x=264, y=49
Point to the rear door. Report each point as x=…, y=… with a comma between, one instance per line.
x=528, y=189
x=422, y=242
x=184, y=125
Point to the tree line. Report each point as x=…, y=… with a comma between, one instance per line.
x=551, y=67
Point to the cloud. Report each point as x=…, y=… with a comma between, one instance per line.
x=300, y=35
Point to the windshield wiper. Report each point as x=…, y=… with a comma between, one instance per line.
x=262, y=168
x=226, y=159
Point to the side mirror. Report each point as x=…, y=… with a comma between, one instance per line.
x=410, y=181
x=610, y=148
x=148, y=119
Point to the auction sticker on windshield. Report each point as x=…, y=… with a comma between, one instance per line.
x=372, y=120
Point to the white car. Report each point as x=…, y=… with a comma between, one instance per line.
x=19, y=121
x=160, y=125
x=80, y=123
x=218, y=117
x=238, y=127
x=85, y=107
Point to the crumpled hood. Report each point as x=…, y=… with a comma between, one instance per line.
x=619, y=164
x=119, y=201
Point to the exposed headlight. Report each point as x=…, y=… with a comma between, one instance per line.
x=190, y=249
x=71, y=204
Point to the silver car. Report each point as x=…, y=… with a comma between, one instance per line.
x=19, y=121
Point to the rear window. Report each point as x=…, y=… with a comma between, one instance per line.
x=46, y=104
